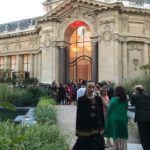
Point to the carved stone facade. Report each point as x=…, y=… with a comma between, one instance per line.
x=120, y=39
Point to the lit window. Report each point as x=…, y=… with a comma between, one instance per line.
x=80, y=52
x=26, y=63
x=13, y=63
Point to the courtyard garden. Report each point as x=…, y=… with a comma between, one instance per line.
x=42, y=135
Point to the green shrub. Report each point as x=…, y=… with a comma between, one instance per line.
x=5, y=92
x=28, y=96
x=45, y=111
x=37, y=137
x=33, y=81
x=144, y=80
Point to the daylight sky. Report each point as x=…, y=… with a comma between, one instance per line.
x=13, y=10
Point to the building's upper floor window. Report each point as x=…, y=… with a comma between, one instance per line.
x=136, y=2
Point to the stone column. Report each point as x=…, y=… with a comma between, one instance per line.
x=117, y=60
x=62, y=64
x=31, y=62
x=95, y=62
x=6, y=62
x=17, y=63
x=146, y=54
x=125, y=61
x=67, y=65
x=9, y=62
x=39, y=65
x=36, y=65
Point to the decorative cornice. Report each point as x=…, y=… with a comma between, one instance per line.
x=97, y=8
x=62, y=43
x=135, y=10
x=68, y=5
x=128, y=38
x=20, y=52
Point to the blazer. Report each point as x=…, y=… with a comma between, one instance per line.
x=142, y=107
x=110, y=92
x=84, y=124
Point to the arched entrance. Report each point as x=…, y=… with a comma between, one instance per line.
x=80, y=53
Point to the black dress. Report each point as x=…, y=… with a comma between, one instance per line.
x=89, y=123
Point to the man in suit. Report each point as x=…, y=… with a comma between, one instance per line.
x=142, y=115
x=110, y=90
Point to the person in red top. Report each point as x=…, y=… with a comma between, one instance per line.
x=70, y=93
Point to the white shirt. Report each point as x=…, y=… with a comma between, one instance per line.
x=81, y=91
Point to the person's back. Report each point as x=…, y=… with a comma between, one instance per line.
x=142, y=101
x=116, y=118
x=142, y=106
x=82, y=89
x=119, y=108
x=142, y=115
x=110, y=90
x=80, y=92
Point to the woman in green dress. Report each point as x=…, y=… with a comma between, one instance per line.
x=116, y=118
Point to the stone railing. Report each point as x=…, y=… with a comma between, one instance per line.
x=27, y=119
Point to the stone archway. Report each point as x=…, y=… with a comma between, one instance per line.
x=78, y=36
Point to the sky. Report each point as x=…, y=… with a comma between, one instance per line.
x=14, y=10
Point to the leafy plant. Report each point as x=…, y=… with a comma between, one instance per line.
x=45, y=111
x=144, y=80
x=37, y=137
x=5, y=93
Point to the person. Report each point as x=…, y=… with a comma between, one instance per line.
x=82, y=89
x=97, y=90
x=116, y=119
x=110, y=90
x=142, y=115
x=69, y=88
x=74, y=93
x=62, y=94
x=105, y=101
x=89, y=121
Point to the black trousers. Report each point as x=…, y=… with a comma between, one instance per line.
x=144, y=132
x=94, y=142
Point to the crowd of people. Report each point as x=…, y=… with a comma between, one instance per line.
x=102, y=112
x=69, y=93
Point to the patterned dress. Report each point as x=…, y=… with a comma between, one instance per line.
x=89, y=122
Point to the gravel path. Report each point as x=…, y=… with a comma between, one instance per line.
x=66, y=116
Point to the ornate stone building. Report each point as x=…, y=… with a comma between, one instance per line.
x=79, y=39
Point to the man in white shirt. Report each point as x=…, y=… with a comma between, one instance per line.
x=82, y=89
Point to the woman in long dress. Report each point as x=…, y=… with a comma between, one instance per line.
x=116, y=118
x=90, y=121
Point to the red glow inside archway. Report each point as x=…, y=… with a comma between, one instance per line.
x=77, y=24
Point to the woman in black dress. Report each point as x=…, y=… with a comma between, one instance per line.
x=89, y=121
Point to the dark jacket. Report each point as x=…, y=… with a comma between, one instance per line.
x=84, y=123
x=142, y=107
x=110, y=92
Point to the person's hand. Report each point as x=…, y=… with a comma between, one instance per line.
x=101, y=131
